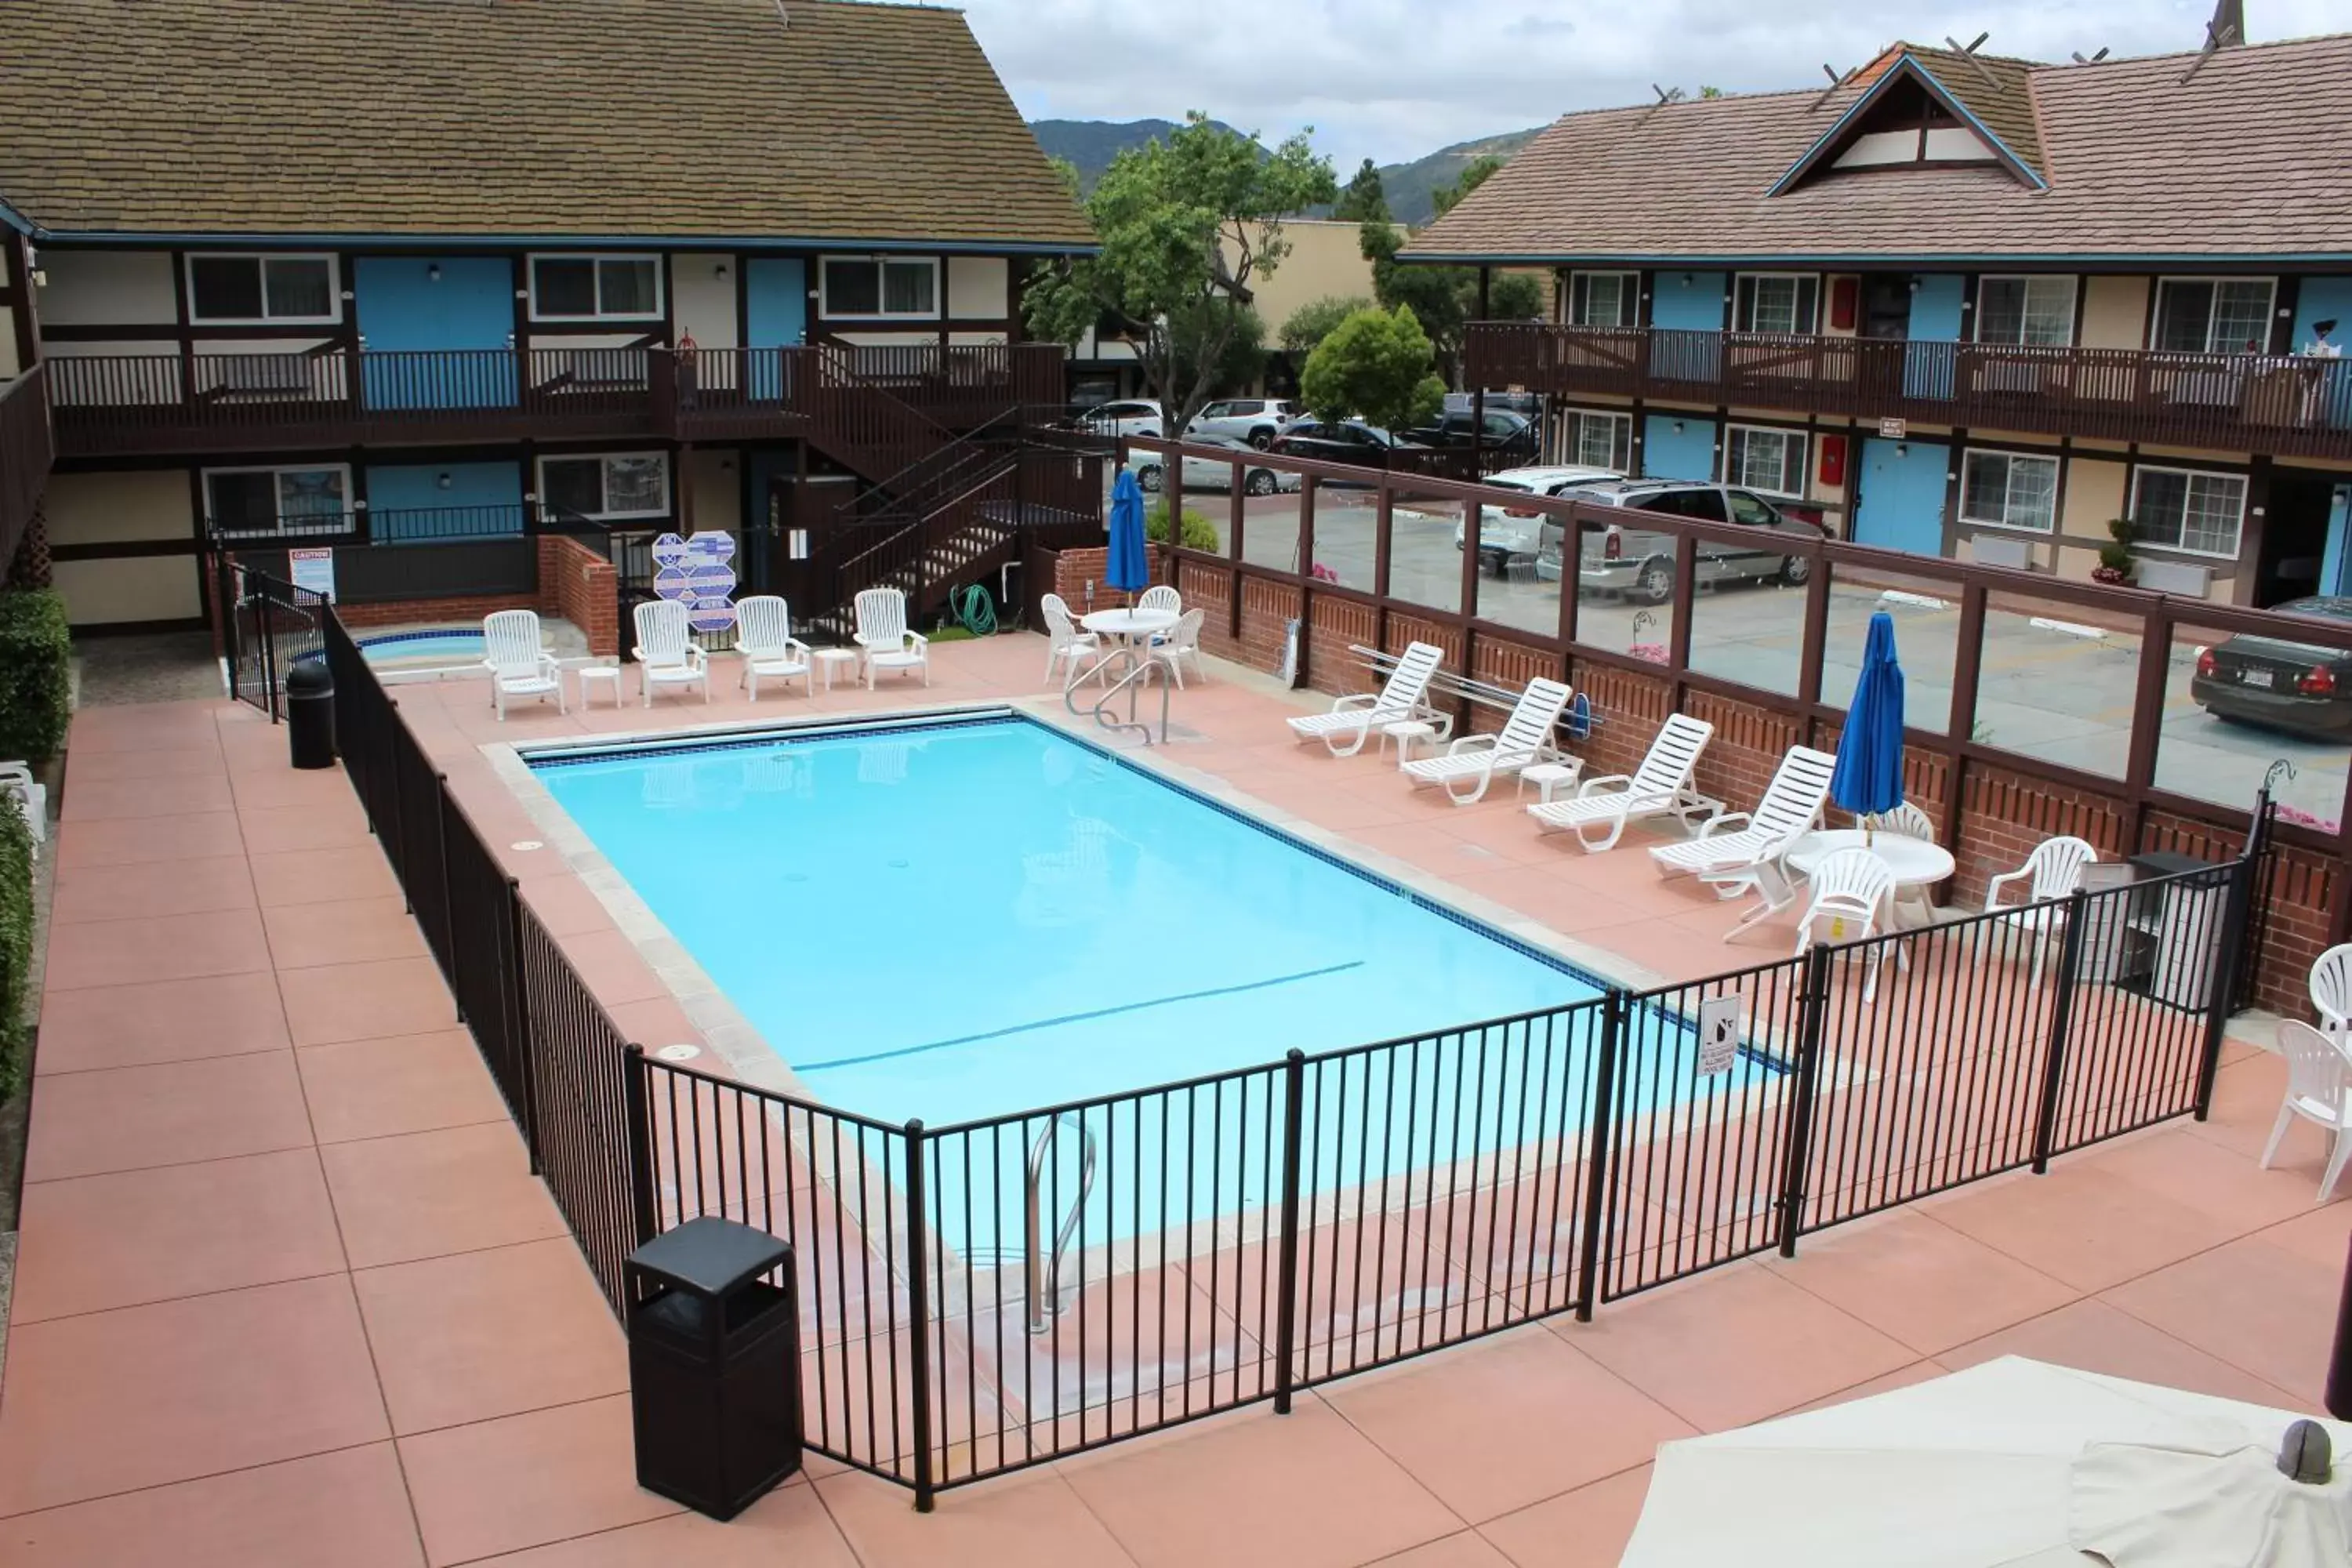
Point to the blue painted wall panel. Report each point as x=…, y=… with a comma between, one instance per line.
x=775, y=315
x=2324, y=299
x=1691, y=301
x=1687, y=455
x=406, y=502
x=2336, y=564
x=409, y=304
x=1935, y=319
x=1901, y=501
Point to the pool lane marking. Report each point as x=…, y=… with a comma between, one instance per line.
x=1083, y=1017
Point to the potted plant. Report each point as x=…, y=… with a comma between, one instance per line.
x=2117, y=562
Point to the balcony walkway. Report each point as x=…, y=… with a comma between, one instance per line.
x=288, y=1296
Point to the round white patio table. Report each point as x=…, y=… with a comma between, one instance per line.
x=1916, y=862
x=1132, y=628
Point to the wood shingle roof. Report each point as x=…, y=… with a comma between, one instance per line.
x=726, y=119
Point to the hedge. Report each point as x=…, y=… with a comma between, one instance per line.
x=1200, y=533
x=15, y=943
x=35, y=693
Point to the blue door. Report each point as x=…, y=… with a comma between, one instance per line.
x=418, y=502
x=1934, y=325
x=775, y=316
x=1686, y=315
x=412, y=306
x=1901, y=504
x=1678, y=446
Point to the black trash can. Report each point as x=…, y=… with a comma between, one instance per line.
x=714, y=1364
x=311, y=713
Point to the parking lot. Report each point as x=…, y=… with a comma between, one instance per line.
x=2047, y=687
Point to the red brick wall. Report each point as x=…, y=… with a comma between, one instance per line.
x=407, y=612
x=583, y=587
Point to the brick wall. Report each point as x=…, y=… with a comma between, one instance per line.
x=408, y=612
x=583, y=588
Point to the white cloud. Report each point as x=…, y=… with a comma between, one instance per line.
x=1395, y=78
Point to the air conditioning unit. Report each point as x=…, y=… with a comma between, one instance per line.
x=266, y=373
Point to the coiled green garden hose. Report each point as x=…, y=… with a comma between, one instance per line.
x=975, y=611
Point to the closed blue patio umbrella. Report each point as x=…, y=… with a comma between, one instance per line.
x=1129, y=570
x=1869, y=777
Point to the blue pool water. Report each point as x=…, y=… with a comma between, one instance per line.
x=437, y=647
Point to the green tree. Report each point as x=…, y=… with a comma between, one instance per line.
x=1375, y=365
x=1365, y=200
x=1236, y=339
x=1187, y=225
x=1445, y=299
x=1475, y=173
x=1514, y=296
x=1316, y=320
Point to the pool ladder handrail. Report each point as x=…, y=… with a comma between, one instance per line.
x=1140, y=673
x=1045, y=1265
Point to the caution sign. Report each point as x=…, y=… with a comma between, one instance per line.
x=1718, y=1036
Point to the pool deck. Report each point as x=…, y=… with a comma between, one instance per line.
x=286, y=1294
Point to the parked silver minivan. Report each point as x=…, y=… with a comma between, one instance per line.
x=1639, y=563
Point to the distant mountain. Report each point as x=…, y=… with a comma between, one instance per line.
x=1091, y=144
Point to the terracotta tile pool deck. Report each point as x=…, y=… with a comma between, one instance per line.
x=287, y=1294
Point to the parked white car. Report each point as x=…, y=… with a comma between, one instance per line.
x=1508, y=537
x=1256, y=420
x=1122, y=417
x=1208, y=474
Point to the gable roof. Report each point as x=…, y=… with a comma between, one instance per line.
x=2244, y=161
x=2000, y=111
x=603, y=119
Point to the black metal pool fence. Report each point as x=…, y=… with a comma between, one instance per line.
x=981, y=1298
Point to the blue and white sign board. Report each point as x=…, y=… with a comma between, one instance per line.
x=695, y=571
x=313, y=571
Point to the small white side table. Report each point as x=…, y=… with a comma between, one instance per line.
x=830, y=659
x=1405, y=732
x=608, y=674
x=1551, y=777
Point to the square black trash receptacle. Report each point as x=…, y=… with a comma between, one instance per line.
x=714, y=1364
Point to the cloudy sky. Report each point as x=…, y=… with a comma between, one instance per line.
x=1393, y=80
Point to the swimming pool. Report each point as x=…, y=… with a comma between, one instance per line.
x=451, y=646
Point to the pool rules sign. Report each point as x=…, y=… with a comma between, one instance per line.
x=1718, y=1036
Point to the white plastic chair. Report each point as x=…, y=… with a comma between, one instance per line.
x=1661, y=786
x=1908, y=821
x=883, y=638
x=31, y=795
x=2331, y=981
x=1474, y=761
x=2053, y=870
x=1354, y=720
x=763, y=636
x=2318, y=1077
x=519, y=665
x=1181, y=642
x=1850, y=885
x=1162, y=597
x=1065, y=644
x=666, y=647
x=1746, y=859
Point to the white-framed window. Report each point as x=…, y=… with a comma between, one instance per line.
x=272, y=501
x=1598, y=439
x=589, y=287
x=248, y=289
x=1776, y=302
x=1604, y=299
x=1765, y=459
x=878, y=288
x=2214, y=315
x=2010, y=489
x=605, y=486
x=2021, y=311
x=2190, y=509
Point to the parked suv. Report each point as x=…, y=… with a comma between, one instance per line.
x=1508, y=537
x=1639, y=563
x=1256, y=420
x=1122, y=417
x=1513, y=436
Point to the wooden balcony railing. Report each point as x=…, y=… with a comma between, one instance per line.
x=2282, y=405
x=25, y=453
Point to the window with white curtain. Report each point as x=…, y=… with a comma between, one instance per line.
x=1765, y=459
x=1599, y=441
x=2022, y=311
x=2010, y=489
x=2190, y=509
x=2214, y=315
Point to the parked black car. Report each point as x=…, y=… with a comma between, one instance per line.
x=2285, y=685
x=1513, y=436
x=1349, y=441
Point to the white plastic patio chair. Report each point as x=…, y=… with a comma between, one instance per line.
x=1162, y=597
x=2053, y=870
x=1661, y=786
x=2331, y=981
x=1354, y=720
x=518, y=664
x=1065, y=644
x=1471, y=764
x=1181, y=642
x=31, y=795
x=763, y=636
x=1908, y=821
x=1735, y=862
x=665, y=648
x=2318, y=1088
x=1851, y=885
x=883, y=637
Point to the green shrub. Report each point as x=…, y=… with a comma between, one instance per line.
x=34, y=690
x=15, y=943
x=1200, y=533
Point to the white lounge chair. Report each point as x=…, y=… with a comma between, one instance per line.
x=31, y=797
x=763, y=636
x=883, y=638
x=665, y=648
x=1470, y=764
x=1852, y=885
x=518, y=664
x=1747, y=858
x=2318, y=1090
x=1162, y=597
x=1065, y=643
x=1661, y=786
x=1354, y=720
x=2331, y=978
x=2052, y=871
x=1178, y=643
